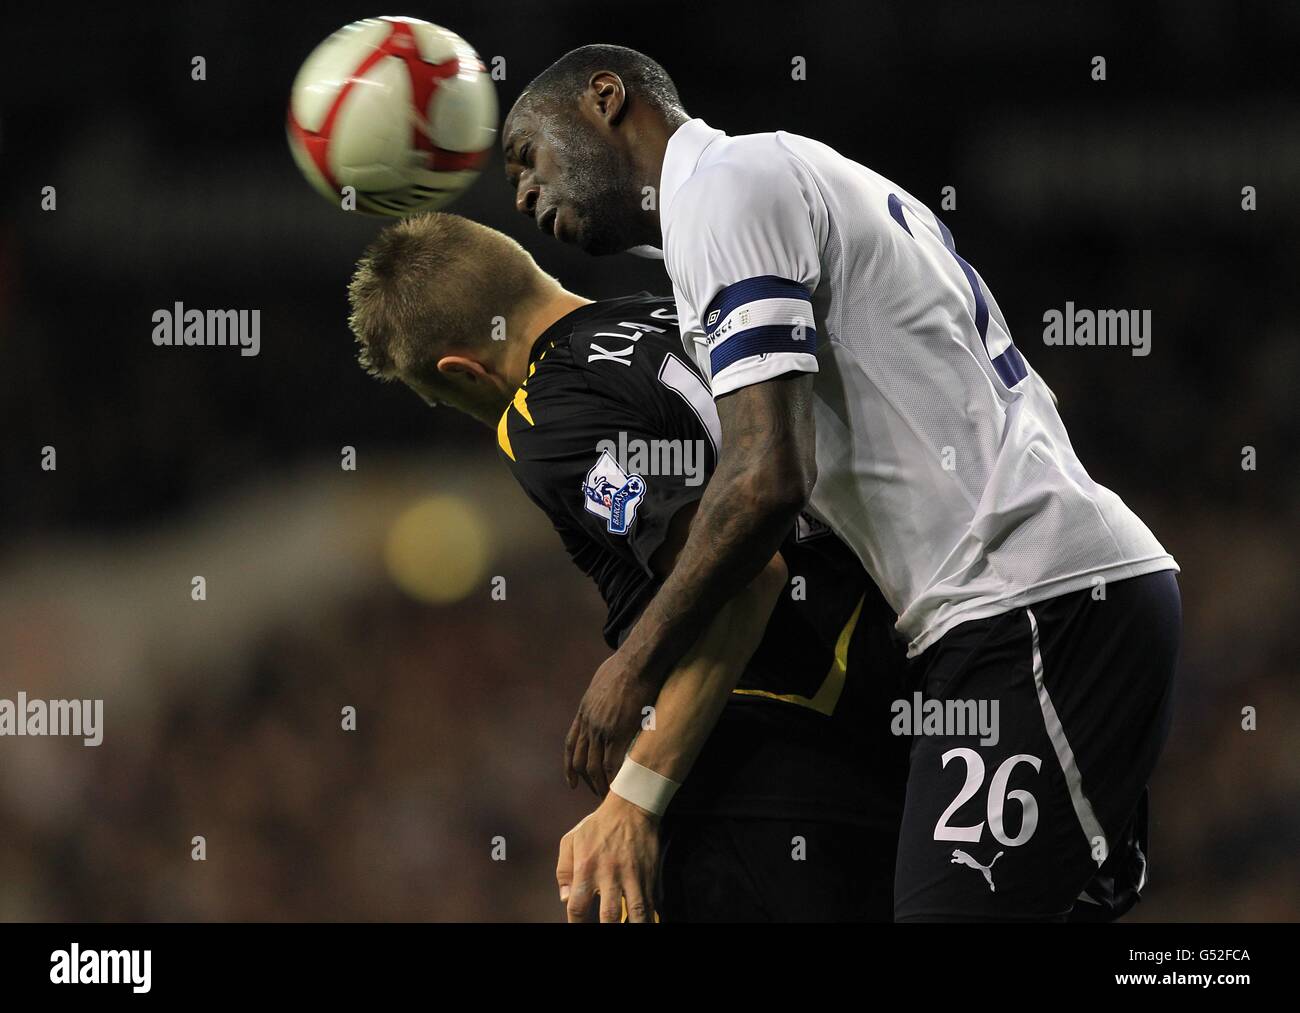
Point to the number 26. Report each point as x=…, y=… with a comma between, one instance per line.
x=998, y=796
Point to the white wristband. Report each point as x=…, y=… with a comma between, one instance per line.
x=643, y=787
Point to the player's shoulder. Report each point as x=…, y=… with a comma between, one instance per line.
x=595, y=368
x=750, y=184
x=607, y=349
x=613, y=330
x=741, y=169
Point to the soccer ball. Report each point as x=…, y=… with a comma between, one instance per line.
x=401, y=110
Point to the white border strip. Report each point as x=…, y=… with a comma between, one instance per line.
x=1064, y=754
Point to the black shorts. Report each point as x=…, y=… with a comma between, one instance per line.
x=1051, y=817
x=719, y=869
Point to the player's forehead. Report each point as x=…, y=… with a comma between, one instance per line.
x=520, y=125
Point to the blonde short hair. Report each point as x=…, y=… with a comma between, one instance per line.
x=433, y=284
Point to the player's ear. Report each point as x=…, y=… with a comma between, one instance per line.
x=605, y=98
x=458, y=367
x=468, y=372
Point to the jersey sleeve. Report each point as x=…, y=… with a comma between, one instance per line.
x=609, y=473
x=744, y=255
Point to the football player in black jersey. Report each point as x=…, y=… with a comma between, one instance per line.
x=782, y=713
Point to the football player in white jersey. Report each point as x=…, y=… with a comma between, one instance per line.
x=863, y=370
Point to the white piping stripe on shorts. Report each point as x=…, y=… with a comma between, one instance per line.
x=1064, y=754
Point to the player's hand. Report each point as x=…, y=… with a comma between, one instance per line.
x=612, y=855
x=608, y=719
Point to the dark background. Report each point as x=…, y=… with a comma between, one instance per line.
x=329, y=588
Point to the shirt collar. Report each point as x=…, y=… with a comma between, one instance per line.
x=682, y=156
x=562, y=330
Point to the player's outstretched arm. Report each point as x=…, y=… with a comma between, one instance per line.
x=695, y=693
x=614, y=852
x=765, y=473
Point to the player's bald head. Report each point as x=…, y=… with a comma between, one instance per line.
x=559, y=86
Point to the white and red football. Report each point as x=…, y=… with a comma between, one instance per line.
x=401, y=110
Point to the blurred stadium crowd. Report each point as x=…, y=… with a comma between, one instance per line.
x=223, y=717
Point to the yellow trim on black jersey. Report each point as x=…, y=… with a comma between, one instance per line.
x=519, y=404
x=828, y=693
x=503, y=434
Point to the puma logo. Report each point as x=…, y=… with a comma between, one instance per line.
x=960, y=857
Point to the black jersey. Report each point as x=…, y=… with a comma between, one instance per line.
x=613, y=432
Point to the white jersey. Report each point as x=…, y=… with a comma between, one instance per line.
x=941, y=458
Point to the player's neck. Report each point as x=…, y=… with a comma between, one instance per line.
x=531, y=325
x=652, y=130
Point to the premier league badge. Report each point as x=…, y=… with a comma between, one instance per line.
x=612, y=494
